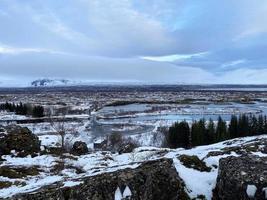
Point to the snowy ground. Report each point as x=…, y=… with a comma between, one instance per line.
x=197, y=183
x=11, y=116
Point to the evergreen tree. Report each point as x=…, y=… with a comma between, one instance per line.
x=210, y=134
x=253, y=125
x=265, y=125
x=233, y=127
x=172, y=137
x=243, y=126
x=38, y=111
x=194, y=134
x=260, y=125
x=200, y=132
x=200, y=135
x=221, y=130
x=178, y=135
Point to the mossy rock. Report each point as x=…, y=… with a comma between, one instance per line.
x=216, y=153
x=58, y=167
x=20, y=139
x=251, y=148
x=5, y=184
x=20, y=172
x=194, y=162
x=55, y=151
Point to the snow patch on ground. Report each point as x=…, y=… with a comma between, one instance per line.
x=197, y=183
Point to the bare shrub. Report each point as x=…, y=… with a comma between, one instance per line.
x=121, y=144
x=115, y=140
x=62, y=129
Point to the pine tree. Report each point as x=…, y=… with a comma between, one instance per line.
x=194, y=134
x=202, y=131
x=233, y=127
x=183, y=134
x=260, y=125
x=253, y=126
x=210, y=132
x=172, y=137
x=265, y=125
x=243, y=126
x=221, y=130
x=178, y=135
x=38, y=111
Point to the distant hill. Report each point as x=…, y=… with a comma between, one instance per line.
x=51, y=82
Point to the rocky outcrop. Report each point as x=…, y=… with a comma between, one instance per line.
x=79, y=148
x=153, y=180
x=19, y=139
x=242, y=178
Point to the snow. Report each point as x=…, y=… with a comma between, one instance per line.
x=11, y=116
x=49, y=140
x=127, y=192
x=197, y=183
x=32, y=185
x=265, y=192
x=118, y=195
x=260, y=154
x=72, y=183
x=43, y=161
x=251, y=191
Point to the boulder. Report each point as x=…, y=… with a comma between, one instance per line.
x=79, y=148
x=241, y=178
x=127, y=147
x=152, y=180
x=20, y=139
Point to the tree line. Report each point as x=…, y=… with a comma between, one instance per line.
x=23, y=109
x=203, y=132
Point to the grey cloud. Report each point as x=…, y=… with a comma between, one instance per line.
x=93, y=39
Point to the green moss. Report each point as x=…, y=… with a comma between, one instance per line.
x=19, y=183
x=194, y=162
x=216, y=153
x=5, y=184
x=21, y=172
x=55, y=151
x=58, y=167
x=252, y=148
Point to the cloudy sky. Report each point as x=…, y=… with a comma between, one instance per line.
x=146, y=41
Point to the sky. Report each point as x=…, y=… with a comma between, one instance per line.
x=148, y=41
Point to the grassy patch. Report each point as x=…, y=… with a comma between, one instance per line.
x=20, y=172
x=5, y=184
x=194, y=162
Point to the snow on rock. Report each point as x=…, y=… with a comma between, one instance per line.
x=71, y=183
x=49, y=140
x=76, y=167
x=197, y=183
x=118, y=195
x=42, y=161
x=31, y=185
x=251, y=191
x=265, y=192
x=127, y=192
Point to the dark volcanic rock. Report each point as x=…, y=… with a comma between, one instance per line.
x=127, y=147
x=20, y=139
x=79, y=148
x=240, y=177
x=153, y=180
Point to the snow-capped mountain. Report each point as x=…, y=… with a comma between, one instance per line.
x=50, y=82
